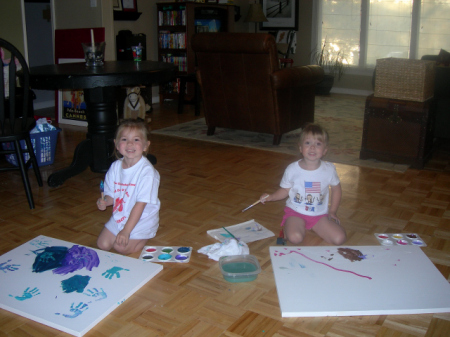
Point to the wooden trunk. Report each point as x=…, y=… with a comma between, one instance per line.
x=398, y=131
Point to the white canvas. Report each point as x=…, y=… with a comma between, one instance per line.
x=357, y=280
x=248, y=231
x=69, y=297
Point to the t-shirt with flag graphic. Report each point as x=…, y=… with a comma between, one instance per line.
x=309, y=190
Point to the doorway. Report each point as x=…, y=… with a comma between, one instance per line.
x=39, y=38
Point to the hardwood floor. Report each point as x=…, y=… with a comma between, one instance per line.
x=205, y=186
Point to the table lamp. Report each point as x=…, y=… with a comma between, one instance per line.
x=255, y=14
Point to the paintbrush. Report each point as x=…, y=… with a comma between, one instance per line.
x=102, y=189
x=231, y=234
x=255, y=203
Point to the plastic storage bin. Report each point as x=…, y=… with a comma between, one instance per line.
x=44, y=145
x=239, y=268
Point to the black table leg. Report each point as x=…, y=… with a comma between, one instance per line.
x=97, y=149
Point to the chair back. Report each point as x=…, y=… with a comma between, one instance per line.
x=235, y=76
x=14, y=99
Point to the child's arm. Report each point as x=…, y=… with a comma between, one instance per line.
x=103, y=203
x=336, y=194
x=136, y=213
x=280, y=194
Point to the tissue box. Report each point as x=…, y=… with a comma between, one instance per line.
x=44, y=145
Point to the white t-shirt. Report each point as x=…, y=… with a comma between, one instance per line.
x=309, y=190
x=138, y=183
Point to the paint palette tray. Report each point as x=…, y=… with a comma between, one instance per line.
x=178, y=254
x=400, y=239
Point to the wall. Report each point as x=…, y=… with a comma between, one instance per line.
x=79, y=14
x=11, y=28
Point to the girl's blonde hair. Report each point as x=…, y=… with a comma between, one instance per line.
x=316, y=131
x=132, y=124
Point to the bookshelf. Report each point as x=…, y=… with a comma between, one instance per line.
x=177, y=23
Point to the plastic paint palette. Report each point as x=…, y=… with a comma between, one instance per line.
x=166, y=254
x=397, y=239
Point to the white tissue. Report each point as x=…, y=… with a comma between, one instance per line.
x=226, y=248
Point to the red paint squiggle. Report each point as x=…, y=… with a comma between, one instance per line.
x=343, y=270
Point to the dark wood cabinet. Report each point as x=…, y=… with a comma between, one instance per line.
x=177, y=23
x=398, y=131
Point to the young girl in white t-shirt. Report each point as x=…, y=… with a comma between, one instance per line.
x=306, y=184
x=131, y=187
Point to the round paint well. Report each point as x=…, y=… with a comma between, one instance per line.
x=164, y=257
x=167, y=250
x=383, y=236
x=184, y=250
x=181, y=257
x=151, y=249
x=417, y=242
x=147, y=257
x=387, y=243
x=402, y=242
x=411, y=236
x=398, y=236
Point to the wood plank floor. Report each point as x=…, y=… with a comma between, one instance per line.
x=205, y=186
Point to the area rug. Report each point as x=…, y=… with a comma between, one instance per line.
x=341, y=115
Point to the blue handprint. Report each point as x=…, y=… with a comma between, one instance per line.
x=99, y=295
x=113, y=271
x=8, y=267
x=27, y=294
x=77, y=311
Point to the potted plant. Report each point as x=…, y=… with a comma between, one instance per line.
x=334, y=65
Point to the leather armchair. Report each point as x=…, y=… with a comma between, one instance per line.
x=244, y=88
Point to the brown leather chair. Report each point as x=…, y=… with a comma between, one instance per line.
x=244, y=88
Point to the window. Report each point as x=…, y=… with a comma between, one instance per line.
x=366, y=30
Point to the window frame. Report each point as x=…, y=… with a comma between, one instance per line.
x=362, y=68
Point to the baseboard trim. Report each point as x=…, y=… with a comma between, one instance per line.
x=355, y=92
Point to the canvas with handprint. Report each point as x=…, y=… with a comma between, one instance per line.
x=68, y=286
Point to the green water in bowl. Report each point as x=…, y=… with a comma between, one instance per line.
x=241, y=270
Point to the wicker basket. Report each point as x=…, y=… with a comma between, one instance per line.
x=404, y=79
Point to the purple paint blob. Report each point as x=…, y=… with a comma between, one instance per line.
x=181, y=257
x=78, y=258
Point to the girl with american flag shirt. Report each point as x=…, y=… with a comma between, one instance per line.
x=306, y=184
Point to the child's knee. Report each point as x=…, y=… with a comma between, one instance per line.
x=295, y=238
x=339, y=238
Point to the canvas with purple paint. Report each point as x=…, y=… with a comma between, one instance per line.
x=67, y=286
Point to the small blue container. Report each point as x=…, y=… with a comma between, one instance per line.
x=239, y=268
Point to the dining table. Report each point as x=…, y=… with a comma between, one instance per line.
x=100, y=85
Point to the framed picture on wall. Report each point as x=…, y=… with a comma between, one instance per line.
x=129, y=5
x=71, y=104
x=281, y=15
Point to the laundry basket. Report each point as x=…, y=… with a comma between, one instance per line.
x=44, y=145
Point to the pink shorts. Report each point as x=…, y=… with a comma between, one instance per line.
x=310, y=221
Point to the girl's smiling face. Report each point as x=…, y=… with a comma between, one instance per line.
x=131, y=145
x=312, y=148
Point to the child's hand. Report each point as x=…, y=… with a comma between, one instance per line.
x=101, y=204
x=265, y=197
x=333, y=217
x=122, y=238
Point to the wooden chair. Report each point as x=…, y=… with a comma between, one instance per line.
x=16, y=117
